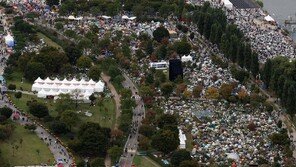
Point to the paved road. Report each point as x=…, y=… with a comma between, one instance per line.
x=57, y=149
x=131, y=145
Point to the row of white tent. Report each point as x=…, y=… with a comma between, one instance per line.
x=83, y=89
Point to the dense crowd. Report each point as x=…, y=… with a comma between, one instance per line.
x=220, y=129
x=269, y=41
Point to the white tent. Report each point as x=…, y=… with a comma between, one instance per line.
x=125, y=17
x=9, y=41
x=41, y=94
x=71, y=17
x=132, y=18
x=186, y=58
x=55, y=87
x=106, y=17
x=269, y=18
x=36, y=87
x=233, y=156
x=39, y=80
x=227, y=4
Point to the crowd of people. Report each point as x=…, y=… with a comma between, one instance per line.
x=219, y=129
x=268, y=40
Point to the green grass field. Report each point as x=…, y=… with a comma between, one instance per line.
x=105, y=114
x=27, y=153
x=16, y=78
x=143, y=161
x=49, y=42
x=22, y=102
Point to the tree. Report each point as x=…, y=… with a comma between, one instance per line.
x=30, y=127
x=5, y=111
x=189, y=163
x=92, y=140
x=197, y=91
x=58, y=127
x=212, y=93
x=64, y=102
x=11, y=87
x=38, y=109
x=70, y=118
x=254, y=64
x=182, y=47
x=146, y=130
x=59, y=25
x=94, y=73
x=291, y=100
x=165, y=141
x=225, y=90
x=144, y=143
x=113, y=71
x=160, y=33
x=180, y=156
x=18, y=95
x=92, y=98
x=166, y=120
x=167, y=88
x=115, y=152
x=73, y=53
x=149, y=47
x=146, y=91
x=52, y=2
x=35, y=70
x=266, y=74
x=97, y=162
x=84, y=62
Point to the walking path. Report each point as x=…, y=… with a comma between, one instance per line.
x=131, y=146
x=115, y=95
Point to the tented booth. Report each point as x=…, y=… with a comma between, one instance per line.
x=227, y=4
x=48, y=87
x=9, y=41
x=186, y=58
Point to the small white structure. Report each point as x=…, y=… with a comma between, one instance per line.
x=227, y=4
x=163, y=65
x=9, y=41
x=84, y=89
x=268, y=18
x=186, y=58
x=182, y=138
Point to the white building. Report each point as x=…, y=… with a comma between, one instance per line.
x=182, y=138
x=163, y=65
x=83, y=89
x=186, y=58
x=227, y=4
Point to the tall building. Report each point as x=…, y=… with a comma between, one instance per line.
x=175, y=69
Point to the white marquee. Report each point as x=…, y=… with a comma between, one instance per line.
x=48, y=87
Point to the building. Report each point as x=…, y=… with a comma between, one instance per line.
x=163, y=65
x=175, y=69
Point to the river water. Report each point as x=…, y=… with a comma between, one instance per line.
x=282, y=10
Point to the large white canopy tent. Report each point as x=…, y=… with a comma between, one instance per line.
x=48, y=87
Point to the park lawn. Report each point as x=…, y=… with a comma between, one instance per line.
x=49, y=42
x=27, y=151
x=143, y=161
x=22, y=102
x=16, y=78
x=104, y=114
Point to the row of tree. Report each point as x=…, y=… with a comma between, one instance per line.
x=279, y=75
x=212, y=23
